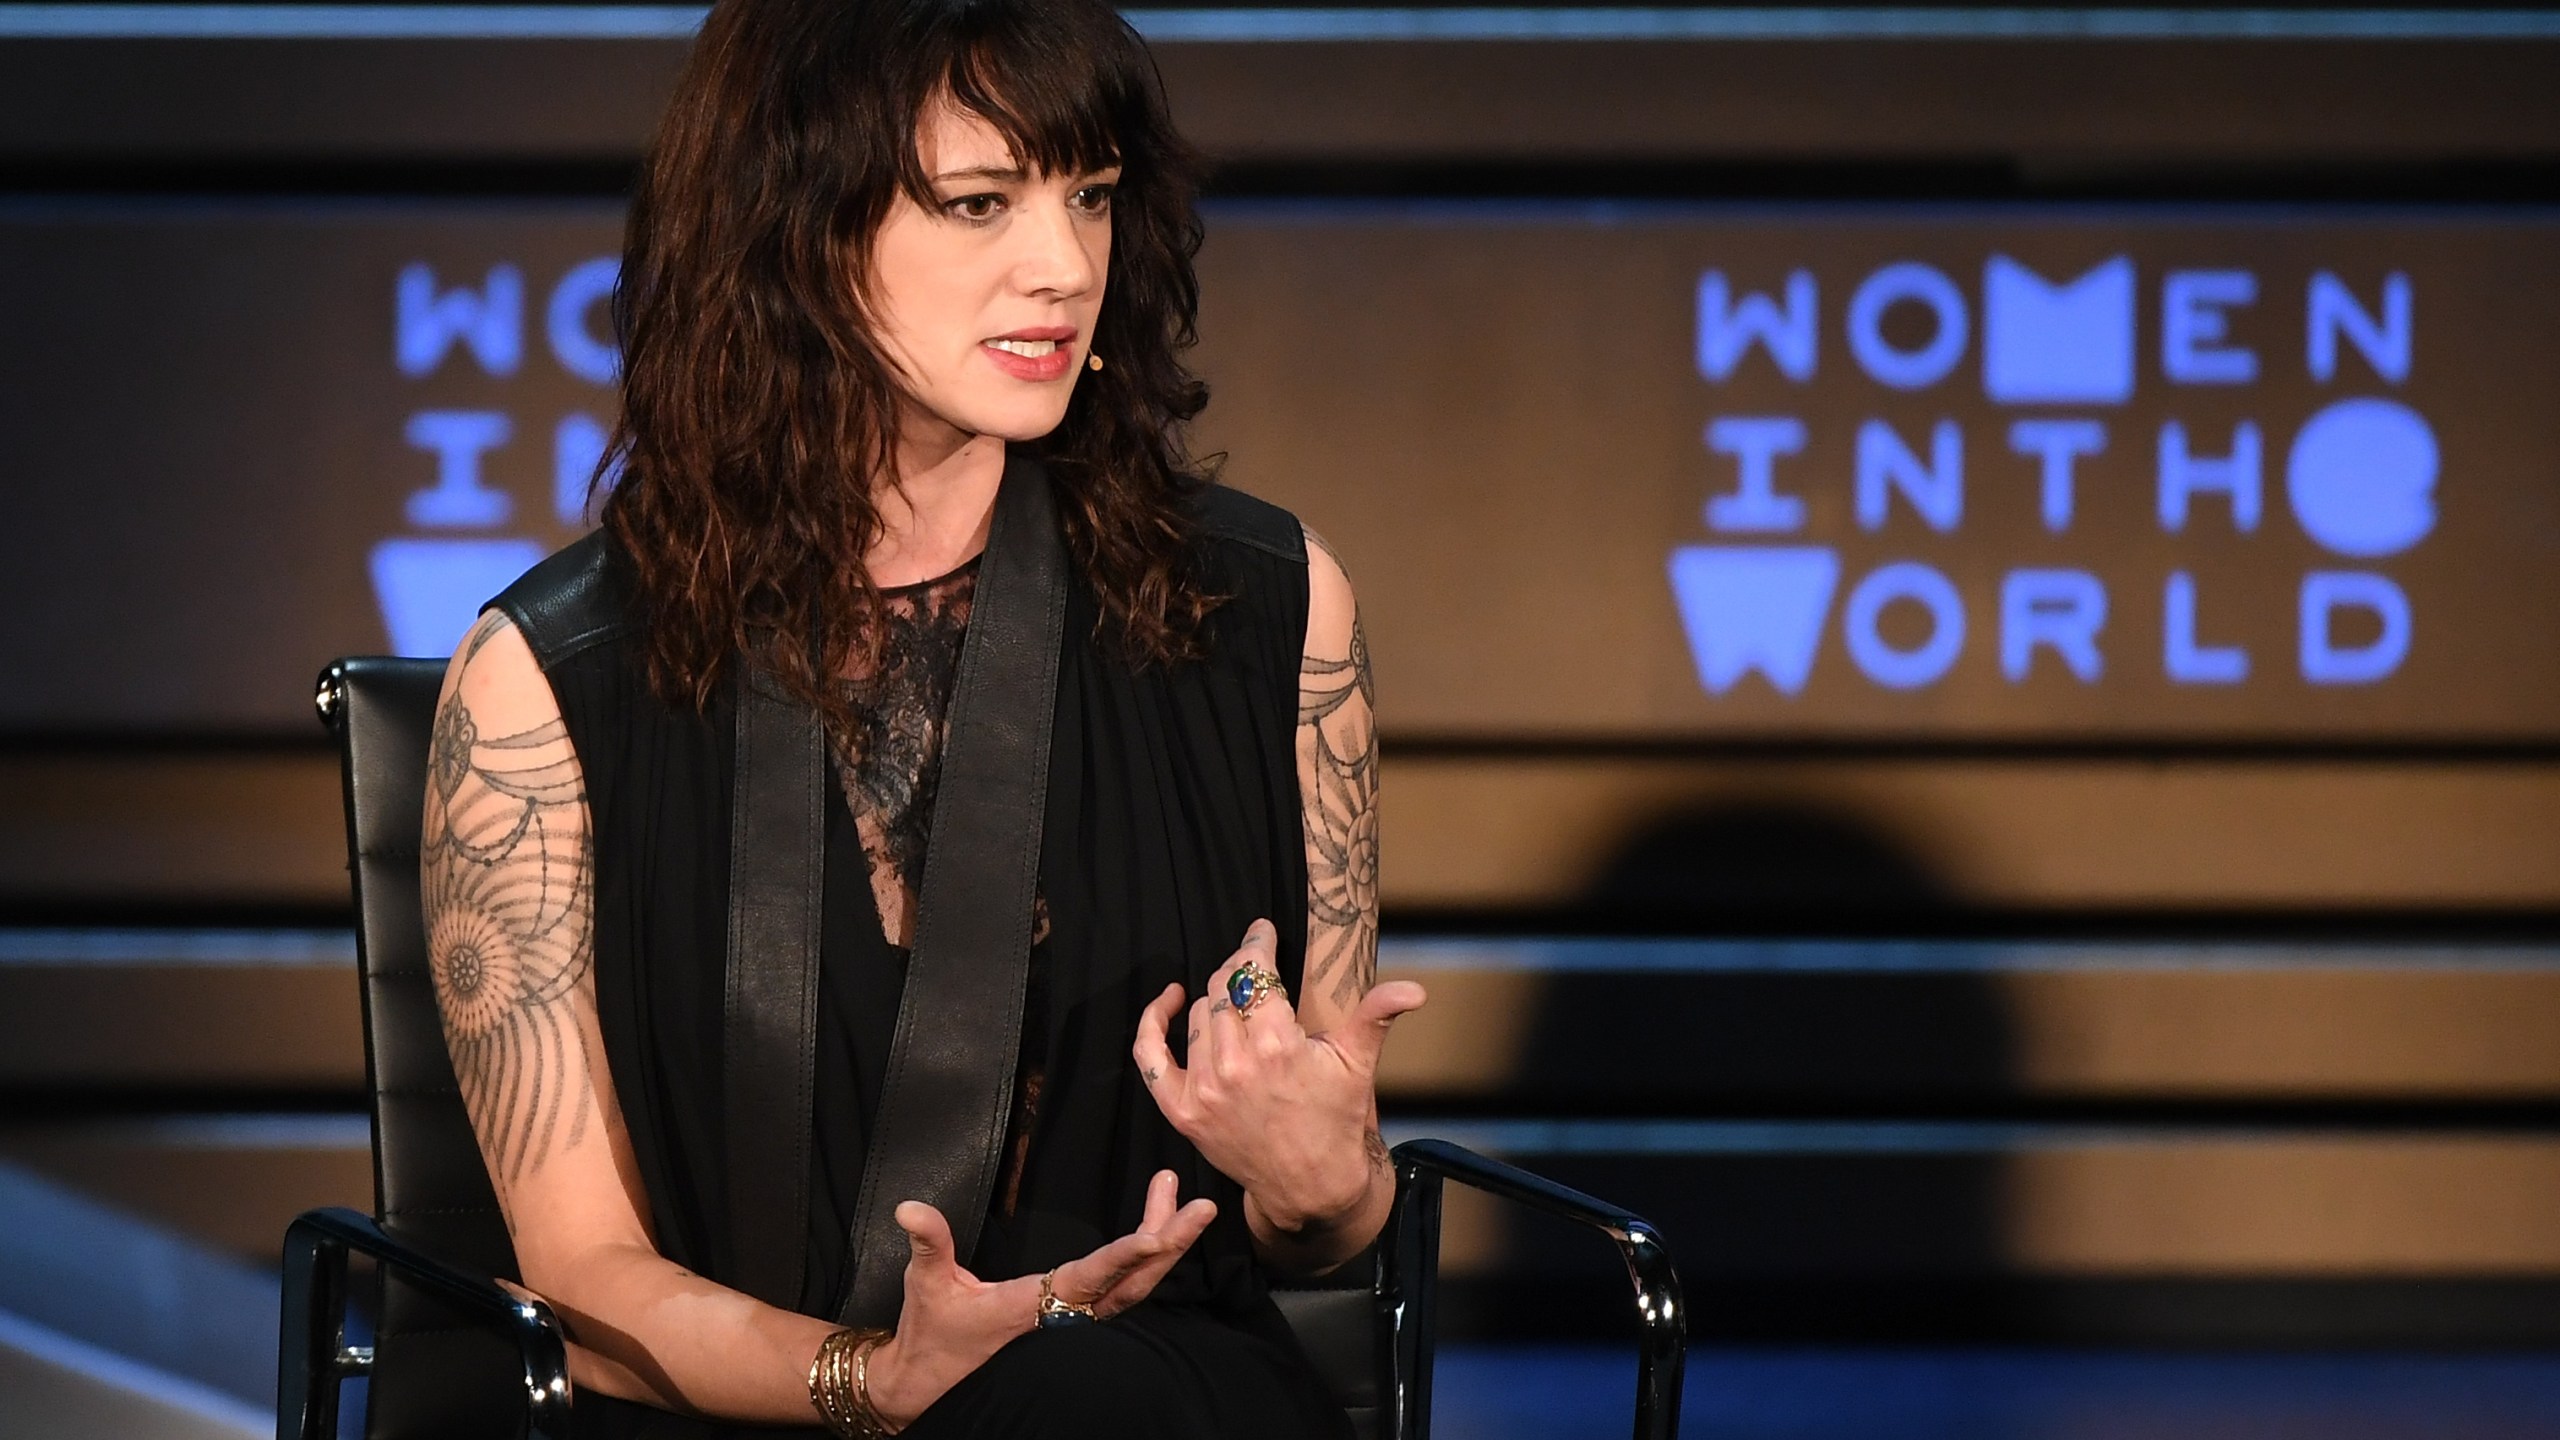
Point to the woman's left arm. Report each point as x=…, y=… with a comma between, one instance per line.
x=1284, y=1101
x=1338, y=799
x=1338, y=796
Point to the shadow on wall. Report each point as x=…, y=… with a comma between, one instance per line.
x=1754, y=862
x=1796, y=1087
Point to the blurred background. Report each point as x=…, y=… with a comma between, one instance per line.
x=1963, y=601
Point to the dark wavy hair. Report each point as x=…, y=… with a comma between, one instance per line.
x=758, y=412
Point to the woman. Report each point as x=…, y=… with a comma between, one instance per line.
x=885, y=254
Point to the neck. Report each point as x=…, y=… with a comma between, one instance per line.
x=937, y=513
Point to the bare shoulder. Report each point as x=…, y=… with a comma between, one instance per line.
x=1332, y=610
x=494, y=675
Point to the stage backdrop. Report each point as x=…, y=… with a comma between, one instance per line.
x=1924, y=472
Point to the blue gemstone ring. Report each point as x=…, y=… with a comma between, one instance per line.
x=1250, y=985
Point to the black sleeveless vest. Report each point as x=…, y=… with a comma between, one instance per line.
x=1172, y=823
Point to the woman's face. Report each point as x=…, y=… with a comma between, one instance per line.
x=987, y=301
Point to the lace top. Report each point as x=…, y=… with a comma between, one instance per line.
x=891, y=762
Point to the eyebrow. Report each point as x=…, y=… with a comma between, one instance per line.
x=1002, y=173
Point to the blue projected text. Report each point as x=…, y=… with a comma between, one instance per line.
x=2358, y=475
x=431, y=584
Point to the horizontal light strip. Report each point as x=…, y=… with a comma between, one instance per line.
x=1535, y=955
x=1838, y=23
x=1868, y=1137
x=177, y=947
x=353, y=1133
x=254, y=1131
x=1363, y=24
x=1924, y=957
x=350, y=22
x=213, y=1413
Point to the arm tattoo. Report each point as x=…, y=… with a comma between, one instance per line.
x=481, y=634
x=1338, y=755
x=508, y=901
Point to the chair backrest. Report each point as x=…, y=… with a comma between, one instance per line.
x=435, y=1374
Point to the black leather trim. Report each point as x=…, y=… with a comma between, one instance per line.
x=1234, y=515
x=575, y=599
x=940, y=1131
x=769, y=1033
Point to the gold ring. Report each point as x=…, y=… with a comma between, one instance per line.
x=1249, y=985
x=1055, y=1312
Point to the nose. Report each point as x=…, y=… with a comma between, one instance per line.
x=1058, y=253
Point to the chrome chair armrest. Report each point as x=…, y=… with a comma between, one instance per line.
x=1409, y=1265
x=315, y=1356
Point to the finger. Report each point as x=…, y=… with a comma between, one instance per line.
x=1087, y=1280
x=1188, y=1224
x=1148, y=1252
x=1116, y=1277
x=1226, y=1042
x=1161, y=1191
x=1260, y=946
x=1200, y=1044
x=1154, y=1056
x=1263, y=937
x=1265, y=1021
x=1363, y=1033
x=1140, y=1280
x=929, y=1247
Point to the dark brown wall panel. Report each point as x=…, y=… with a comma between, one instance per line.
x=172, y=829
x=1549, y=832
x=1540, y=833
x=2048, y=102
x=1650, y=1027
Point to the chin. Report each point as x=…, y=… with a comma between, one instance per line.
x=1018, y=420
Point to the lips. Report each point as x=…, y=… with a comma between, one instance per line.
x=1037, y=353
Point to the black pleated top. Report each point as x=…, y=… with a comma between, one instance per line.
x=1172, y=823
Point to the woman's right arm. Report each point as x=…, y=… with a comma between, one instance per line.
x=509, y=886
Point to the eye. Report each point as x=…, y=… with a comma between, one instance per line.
x=975, y=208
x=1094, y=199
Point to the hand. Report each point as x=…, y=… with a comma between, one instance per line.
x=952, y=1321
x=1287, y=1115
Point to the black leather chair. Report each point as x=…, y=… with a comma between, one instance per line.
x=454, y=1354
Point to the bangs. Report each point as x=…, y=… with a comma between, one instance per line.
x=1069, y=98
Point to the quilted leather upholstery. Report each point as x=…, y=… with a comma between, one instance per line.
x=435, y=1374
x=1342, y=1333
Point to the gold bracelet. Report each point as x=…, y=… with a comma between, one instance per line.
x=840, y=1384
x=870, y=1413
